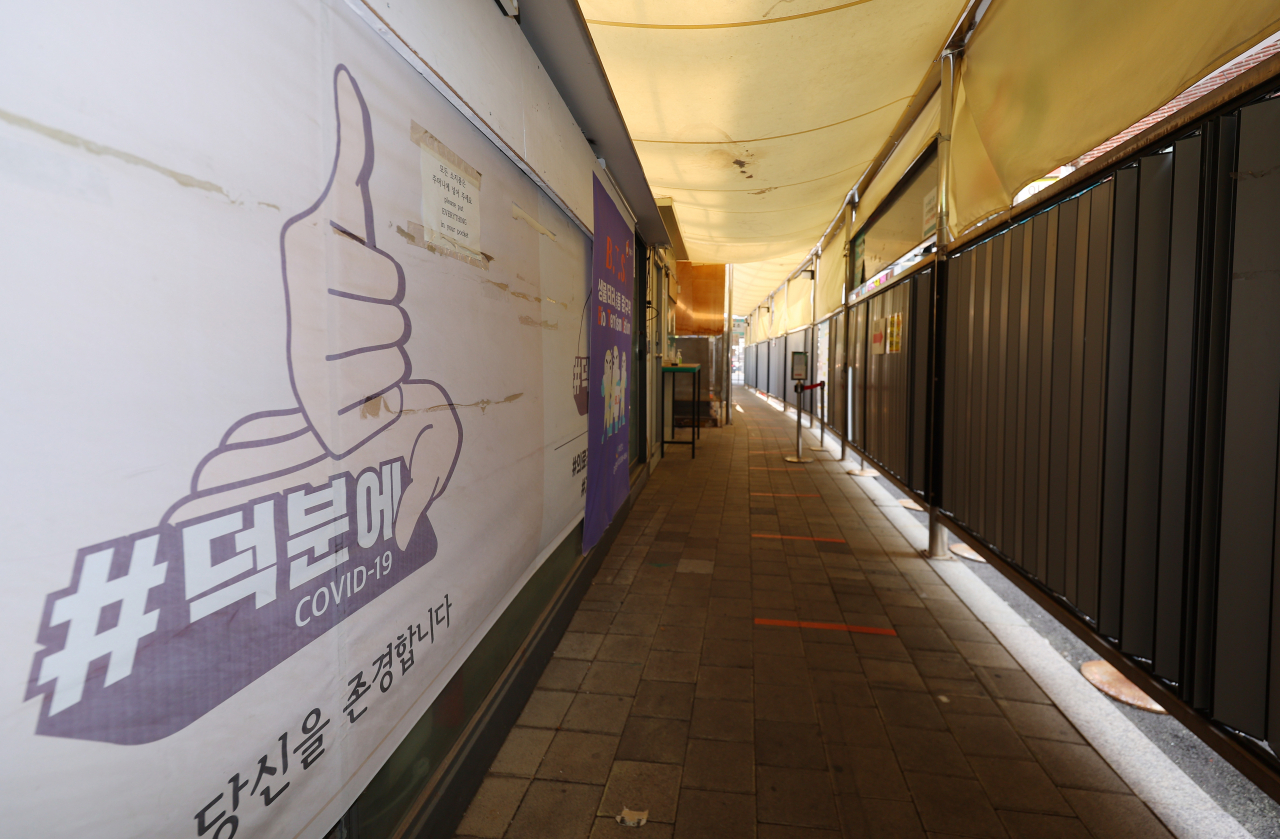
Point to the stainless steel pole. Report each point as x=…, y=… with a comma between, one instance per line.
x=938, y=536
x=798, y=457
x=799, y=395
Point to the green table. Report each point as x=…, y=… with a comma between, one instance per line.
x=694, y=370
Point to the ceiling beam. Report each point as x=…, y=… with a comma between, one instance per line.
x=666, y=208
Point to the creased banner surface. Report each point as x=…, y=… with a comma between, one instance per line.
x=284, y=465
x=126, y=645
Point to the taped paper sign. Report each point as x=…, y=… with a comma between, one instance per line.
x=450, y=197
x=893, y=338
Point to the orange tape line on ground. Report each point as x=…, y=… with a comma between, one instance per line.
x=805, y=538
x=866, y=630
x=788, y=495
x=779, y=468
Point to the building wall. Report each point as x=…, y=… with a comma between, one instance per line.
x=246, y=379
x=478, y=58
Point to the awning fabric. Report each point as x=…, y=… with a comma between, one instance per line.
x=831, y=271
x=974, y=190
x=799, y=302
x=781, y=322
x=753, y=281
x=1044, y=81
x=758, y=116
x=917, y=138
x=766, y=321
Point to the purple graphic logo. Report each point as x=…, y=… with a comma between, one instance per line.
x=296, y=520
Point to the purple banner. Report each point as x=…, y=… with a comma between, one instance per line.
x=612, y=293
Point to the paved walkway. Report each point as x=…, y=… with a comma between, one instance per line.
x=690, y=686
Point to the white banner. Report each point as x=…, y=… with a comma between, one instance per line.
x=276, y=458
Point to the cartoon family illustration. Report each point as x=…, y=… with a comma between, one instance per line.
x=613, y=386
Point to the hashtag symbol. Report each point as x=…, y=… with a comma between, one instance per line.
x=83, y=609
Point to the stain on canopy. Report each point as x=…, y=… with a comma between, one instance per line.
x=758, y=116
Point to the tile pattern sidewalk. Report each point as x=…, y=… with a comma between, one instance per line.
x=666, y=696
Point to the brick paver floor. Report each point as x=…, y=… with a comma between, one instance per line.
x=668, y=694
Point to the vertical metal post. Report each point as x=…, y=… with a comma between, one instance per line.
x=846, y=283
x=946, y=117
x=938, y=536
x=845, y=378
x=822, y=424
x=798, y=457
x=662, y=419
x=799, y=448
x=697, y=409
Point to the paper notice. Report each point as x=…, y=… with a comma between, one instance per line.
x=450, y=195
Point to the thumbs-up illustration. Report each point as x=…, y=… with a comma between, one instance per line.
x=357, y=405
x=292, y=522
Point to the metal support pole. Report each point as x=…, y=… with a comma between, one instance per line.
x=822, y=424
x=938, y=535
x=798, y=457
x=843, y=413
x=799, y=396
x=947, y=116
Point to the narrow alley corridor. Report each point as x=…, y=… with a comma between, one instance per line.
x=764, y=654
x=349, y=488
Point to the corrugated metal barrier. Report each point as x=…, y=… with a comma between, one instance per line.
x=1092, y=394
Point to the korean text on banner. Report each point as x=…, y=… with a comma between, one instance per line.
x=608, y=450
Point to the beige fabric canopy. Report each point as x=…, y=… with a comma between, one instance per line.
x=1044, y=81
x=754, y=281
x=799, y=301
x=917, y=138
x=758, y=116
x=831, y=274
